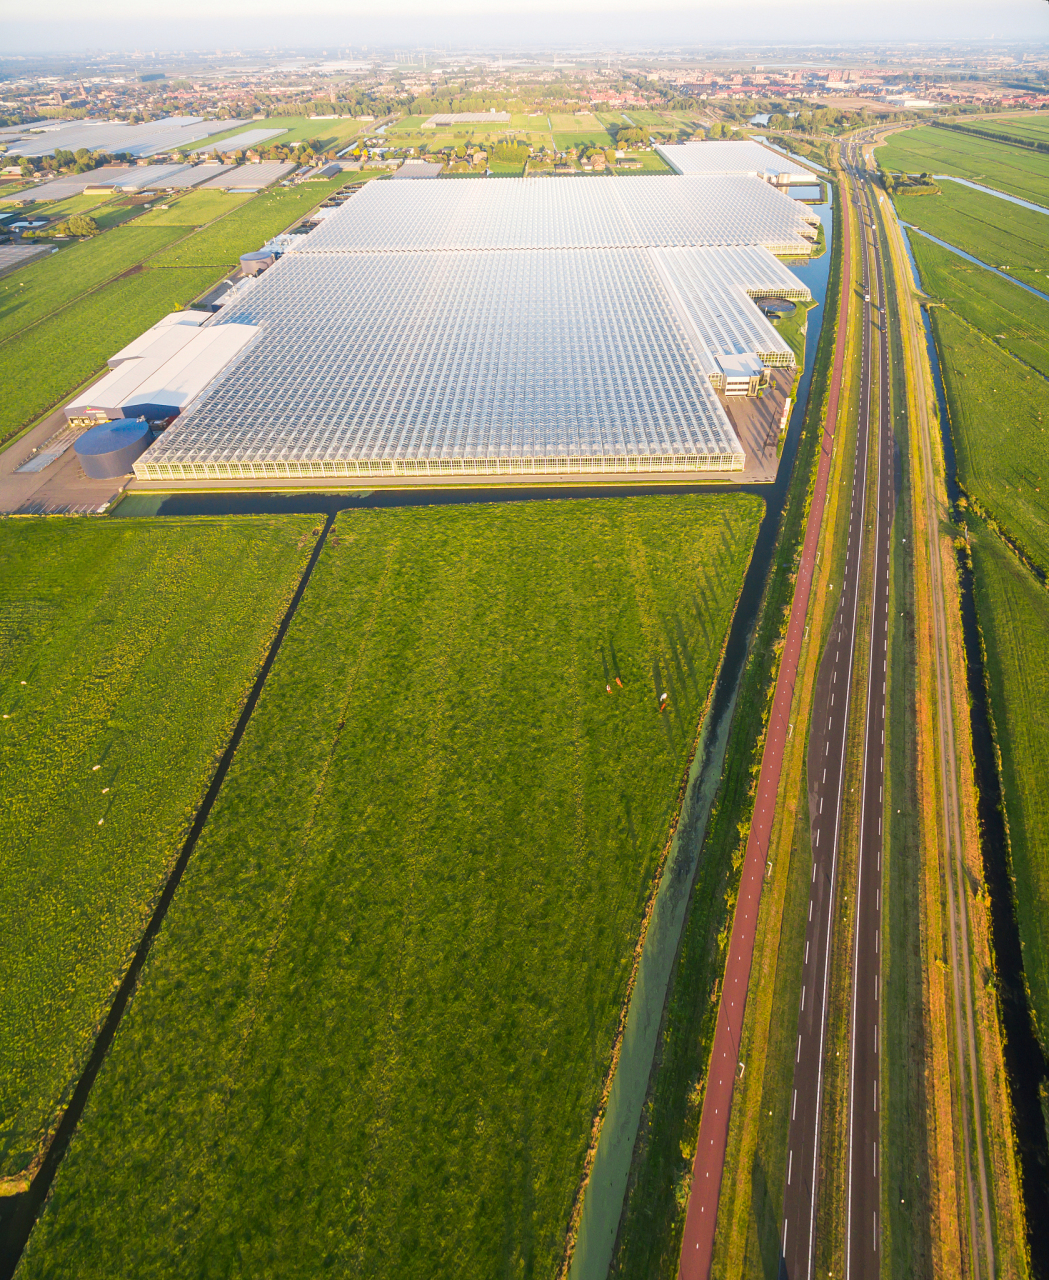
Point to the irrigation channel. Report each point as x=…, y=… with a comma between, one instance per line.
x=1025, y=1063
x=603, y=1202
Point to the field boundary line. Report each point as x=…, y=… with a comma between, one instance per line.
x=23, y=1218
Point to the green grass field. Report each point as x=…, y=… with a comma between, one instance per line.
x=928, y=150
x=1014, y=617
x=330, y=133
x=249, y=226
x=67, y=348
x=999, y=309
x=1000, y=425
x=595, y=137
x=1001, y=234
x=38, y=290
x=192, y=209
x=129, y=647
x=372, y=1035
x=1028, y=128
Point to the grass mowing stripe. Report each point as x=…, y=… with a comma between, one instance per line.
x=392, y=1065
x=21, y=1222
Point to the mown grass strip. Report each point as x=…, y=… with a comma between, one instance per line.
x=397, y=959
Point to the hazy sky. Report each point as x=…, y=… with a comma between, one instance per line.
x=246, y=24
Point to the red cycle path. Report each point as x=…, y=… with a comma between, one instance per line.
x=697, y=1245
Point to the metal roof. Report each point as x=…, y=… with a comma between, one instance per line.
x=710, y=159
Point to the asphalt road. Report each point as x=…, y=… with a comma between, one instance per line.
x=863, y=1220
x=698, y=1238
x=826, y=776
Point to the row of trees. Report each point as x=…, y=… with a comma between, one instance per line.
x=82, y=161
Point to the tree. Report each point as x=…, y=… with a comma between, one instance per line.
x=81, y=225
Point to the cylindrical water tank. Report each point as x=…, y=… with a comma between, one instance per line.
x=110, y=449
x=252, y=263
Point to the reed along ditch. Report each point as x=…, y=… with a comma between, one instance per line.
x=606, y=1188
x=1025, y=1063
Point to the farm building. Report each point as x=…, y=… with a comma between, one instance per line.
x=499, y=328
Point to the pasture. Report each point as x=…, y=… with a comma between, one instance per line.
x=126, y=651
x=1013, y=609
x=1000, y=425
x=1001, y=310
x=1003, y=235
x=373, y=1033
x=63, y=316
x=927, y=150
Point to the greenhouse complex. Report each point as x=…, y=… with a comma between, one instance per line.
x=516, y=327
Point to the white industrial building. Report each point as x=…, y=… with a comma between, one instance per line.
x=489, y=328
x=738, y=159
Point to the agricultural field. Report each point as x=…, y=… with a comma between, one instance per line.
x=66, y=349
x=651, y=162
x=1013, y=610
x=41, y=288
x=252, y=224
x=329, y=133
x=999, y=309
x=373, y=1032
x=1003, y=235
x=927, y=150
x=1028, y=128
x=126, y=651
x=192, y=209
x=1000, y=425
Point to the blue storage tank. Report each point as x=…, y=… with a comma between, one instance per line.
x=110, y=449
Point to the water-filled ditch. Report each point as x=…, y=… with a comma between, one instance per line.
x=1025, y=1063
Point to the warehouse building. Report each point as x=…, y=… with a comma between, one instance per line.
x=737, y=159
x=505, y=328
